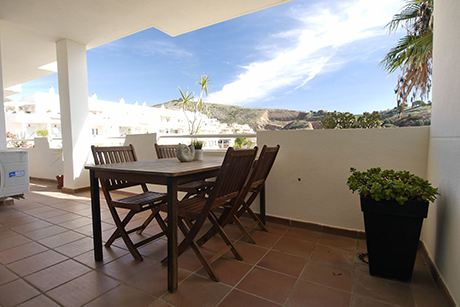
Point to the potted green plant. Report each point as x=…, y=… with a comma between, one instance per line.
x=198, y=149
x=394, y=204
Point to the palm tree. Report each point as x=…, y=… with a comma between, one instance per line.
x=413, y=53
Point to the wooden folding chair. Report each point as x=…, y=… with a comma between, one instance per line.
x=191, y=188
x=251, y=190
x=194, y=211
x=148, y=200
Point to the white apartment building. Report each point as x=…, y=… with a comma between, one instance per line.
x=41, y=111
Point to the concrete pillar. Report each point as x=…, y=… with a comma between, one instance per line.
x=73, y=94
x=2, y=99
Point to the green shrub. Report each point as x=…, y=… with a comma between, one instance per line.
x=389, y=184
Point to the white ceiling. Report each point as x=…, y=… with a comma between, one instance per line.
x=30, y=29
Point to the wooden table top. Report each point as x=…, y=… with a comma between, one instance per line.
x=162, y=167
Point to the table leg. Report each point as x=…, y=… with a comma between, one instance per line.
x=262, y=205
x=96, y=216
x=172, y=235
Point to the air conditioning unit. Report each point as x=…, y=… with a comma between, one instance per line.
x=14, y=173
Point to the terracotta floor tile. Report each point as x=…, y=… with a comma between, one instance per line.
x=36, y=262
x=76, y=223
x=6, y=275
x=190, y=262
x=334, y=256
x=427, y=296
x=20, y=252
x=154, y=280
x=338, y=241
x=362, y=246
x=50, y=213
x=16, y=292
x=109, y=254
x=56, y=275
x=312, y=295
x=76, y=248
x=242, y=299
x=63, y=218
x=302, y=234
x=12, y=222
x=264, y=239
x=276, y=228
x=215, y=244
x=233, y=232
x=123, y=296
x=82, y=289
x=6, y=233
x=328, y=275
x=39, y=301
x=229, y=271
x=61, y=239
x=31, y=226
x=283, y=263
x=160, y=303
x=389, y=291
x=157, y=250
x=251, y=253
x=13, y=241
x=87, y=230
x=45, y=232
x=197, y=291
x=296, y=247
x=422, y=276
x=126, y=267
x=270, y=285
x=362, y=301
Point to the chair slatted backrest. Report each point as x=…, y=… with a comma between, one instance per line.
x=233, y=174
x=112, y=155
x=264, y=165
x=166, y=151
x=230, y=181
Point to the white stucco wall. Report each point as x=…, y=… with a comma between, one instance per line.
x=321, y=159
x=442, y=231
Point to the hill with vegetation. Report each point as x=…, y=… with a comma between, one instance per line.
x=282, y=119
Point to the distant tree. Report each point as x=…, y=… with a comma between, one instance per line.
x=242, y=142
x=413, y=53
x=42, y=132
x=369, y=120
x=339, y=120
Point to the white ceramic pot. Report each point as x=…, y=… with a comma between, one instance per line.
x=198, y=154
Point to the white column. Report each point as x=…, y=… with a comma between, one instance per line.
x=2, y=99
x=73, y=94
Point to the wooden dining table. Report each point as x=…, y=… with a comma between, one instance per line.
x=169, y=172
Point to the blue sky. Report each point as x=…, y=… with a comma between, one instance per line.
x=302, y=55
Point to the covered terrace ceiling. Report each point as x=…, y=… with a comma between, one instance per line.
x=30, y=29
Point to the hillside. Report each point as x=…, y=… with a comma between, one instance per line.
x=282, y=119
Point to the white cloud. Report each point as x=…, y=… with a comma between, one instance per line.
x=314, y=44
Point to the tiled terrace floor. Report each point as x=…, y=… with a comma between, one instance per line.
x=46, y=259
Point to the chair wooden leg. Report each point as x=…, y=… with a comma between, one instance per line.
x=125, y=222
x=244, y=230
x=124, y=235
x=147, y=221
x=212, y=217
x=204, y=262
x=245, y=208
x=212, y=231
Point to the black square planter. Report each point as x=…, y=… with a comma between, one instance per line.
x=392, y=236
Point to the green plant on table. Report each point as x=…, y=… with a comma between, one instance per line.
x=401, y=186
x=197, y=144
